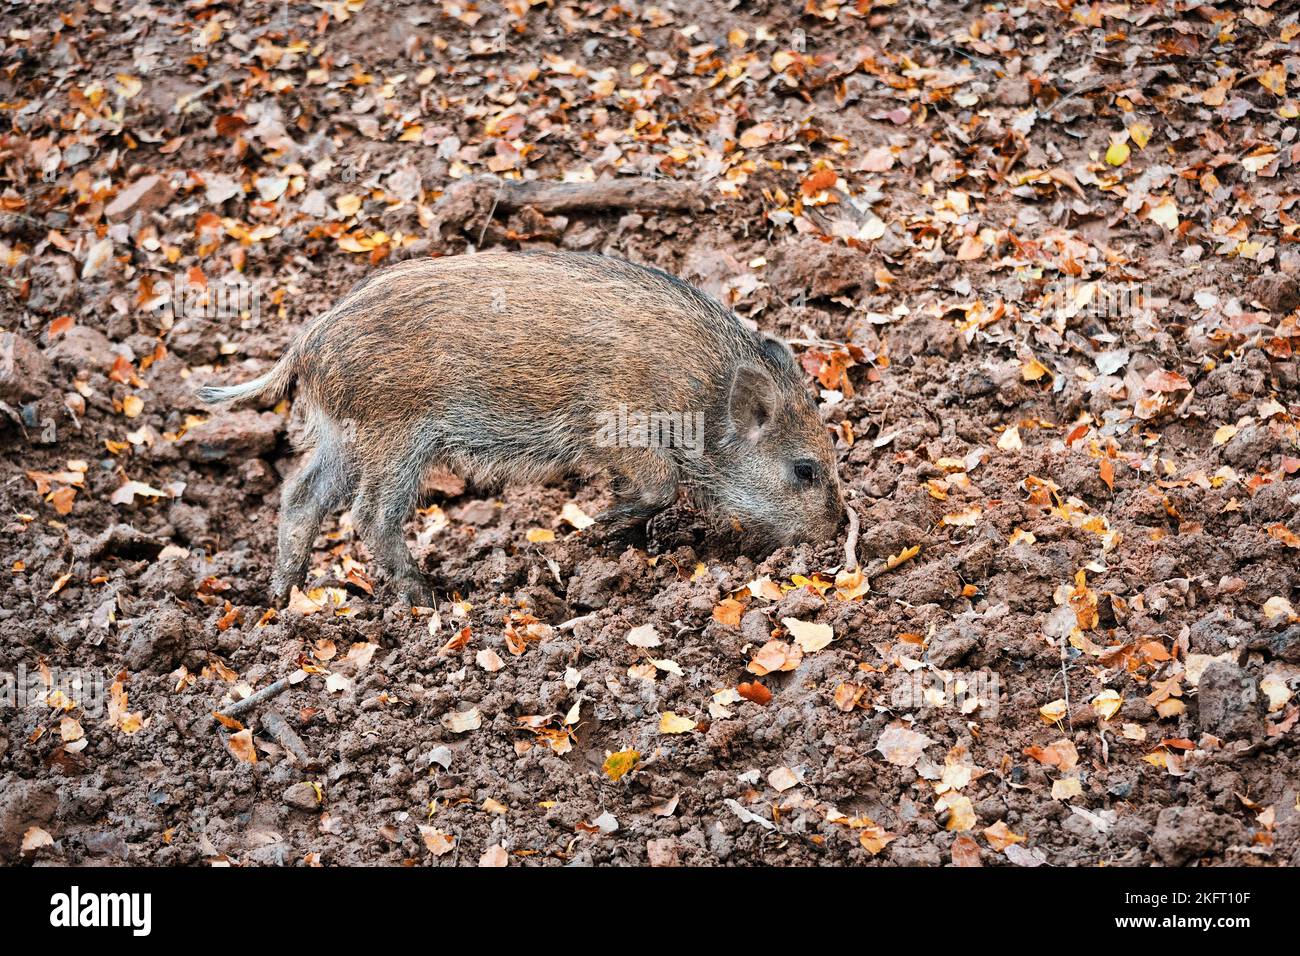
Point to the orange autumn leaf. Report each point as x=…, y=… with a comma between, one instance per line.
x=755, y=692
x=1000, y=836
x=848, y=695
x=729, y=612
x=241, y=746
x=818, y=181
x=775, y=656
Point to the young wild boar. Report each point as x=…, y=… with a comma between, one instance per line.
x=525, y=366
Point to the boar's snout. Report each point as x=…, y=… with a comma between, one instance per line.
x=822, y=522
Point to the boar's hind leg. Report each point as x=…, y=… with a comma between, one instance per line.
x=382, y=506
x=320, y=485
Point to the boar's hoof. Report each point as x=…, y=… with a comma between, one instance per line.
x=278, y=595
x=618, y=538
x=416, y=591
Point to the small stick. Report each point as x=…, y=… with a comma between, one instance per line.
x=266, y=693
x=574, y=622
x=851, y=542
x=273, y=723
x=496, y=198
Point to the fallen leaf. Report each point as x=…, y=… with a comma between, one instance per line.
x=782, y=779
x=810, y=636
x=34, y=838
x=1000, y=836
x=902, y=746
x=437, y=842
x=462, y=721
x=670, y=723
x=241, y=745
x=618, y=764
x=643, y=636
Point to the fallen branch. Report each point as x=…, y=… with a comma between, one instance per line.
x=273, y=723
x=467, y=199
x=266, y=693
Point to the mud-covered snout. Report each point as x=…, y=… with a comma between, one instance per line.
x=821, y=522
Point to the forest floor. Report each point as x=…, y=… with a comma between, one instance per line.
x=1039, y=265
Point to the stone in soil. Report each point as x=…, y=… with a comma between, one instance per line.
x=1228, y=702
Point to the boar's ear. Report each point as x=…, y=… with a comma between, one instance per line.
x=778, y=356
x=751, y=401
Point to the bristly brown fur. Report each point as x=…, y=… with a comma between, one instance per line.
x=501, y=366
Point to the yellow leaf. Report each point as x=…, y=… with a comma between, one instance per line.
x=972, y=247
x=670, y=723
x=1140, y=133
x=540, y=535
x=1066, y=788
x=348, y=205
x=1107, y=704
x=1117, y=154
x=1277, y=609
x=966, y=518
x=757, y=135
x=874, y=838
x=241, y=745
x=34, y=838
x=850, y=585
x=1274, y=79
x=70, y=729
x=1032, y=370
x=618, y=764
x=437, y=842
x=128, y=85
x=1165, y=212
x=775, y=656
x=809, y=635
x=1223, y=434
x=463, y=721
x=1053, y=712
x=961, y=814
x=576, y=516
x=1000, y=836
x=907, y=554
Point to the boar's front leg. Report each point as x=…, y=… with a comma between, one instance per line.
x=644, y=484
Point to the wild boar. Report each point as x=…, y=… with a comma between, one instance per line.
x=527, y=366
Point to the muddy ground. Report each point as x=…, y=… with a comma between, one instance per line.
x=1039, y=265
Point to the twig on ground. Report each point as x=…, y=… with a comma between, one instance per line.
x=851, y=542
x=574, y=622
x=266, y=693
x=273, y=723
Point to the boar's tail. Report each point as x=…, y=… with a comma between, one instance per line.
x=274, y=384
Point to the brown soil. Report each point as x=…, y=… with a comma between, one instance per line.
x=1140, y=520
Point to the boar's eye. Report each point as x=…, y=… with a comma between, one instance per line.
x=806, y=471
